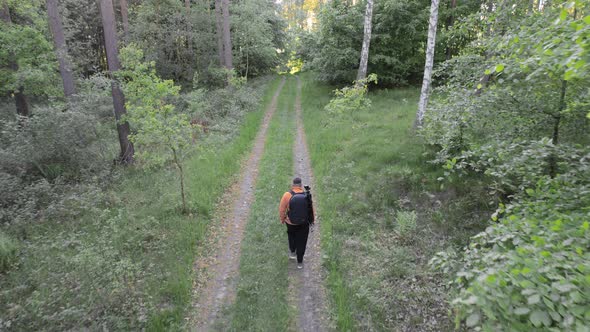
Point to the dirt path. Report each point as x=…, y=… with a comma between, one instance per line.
x=307, y=285
x=219, y=269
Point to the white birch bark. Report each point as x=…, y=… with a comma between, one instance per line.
x=424, y=94
x=362, y=72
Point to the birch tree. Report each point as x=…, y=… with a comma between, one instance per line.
x=429, y=63
x=362, y=72
x=110, y=39
x=61, y=49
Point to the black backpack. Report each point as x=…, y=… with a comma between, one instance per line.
x=300, y=208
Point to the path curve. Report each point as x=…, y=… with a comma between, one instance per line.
x=308, y=285
x=219, y=289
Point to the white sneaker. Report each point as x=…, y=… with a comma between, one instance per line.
x=299, y=265
x=292, y=255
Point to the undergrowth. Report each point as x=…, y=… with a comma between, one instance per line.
x=125, y=261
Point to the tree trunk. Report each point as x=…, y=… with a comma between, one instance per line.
x=362, y=72
x=125, y=18
x=227, y=48
x=5, y=13
x=22, y=105
x=189, y=37
x=61, y=49
x=219, y=30
x=424, y=94
x=20, y=99
x=110, y=39
x=556, y=123
x=450, y=22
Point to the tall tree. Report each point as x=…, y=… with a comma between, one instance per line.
x=110, y=39
x=61, y=49
x=429, y=63
x=226, y=22
x=189, y=36
x=219, y=31
x=362, y=72
x=125, y=18
x=20, y=99
x=450, y=22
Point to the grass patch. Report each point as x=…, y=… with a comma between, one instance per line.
x=261, y=302
x=8, y=250
x=384, y=214
x=125, y=263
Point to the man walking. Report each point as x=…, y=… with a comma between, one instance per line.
x=296, y=211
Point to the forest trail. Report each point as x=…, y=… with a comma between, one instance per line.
x=307, y=287
x=222, y=262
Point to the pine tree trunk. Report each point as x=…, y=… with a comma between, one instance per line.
x=61, y=49
x=5, y=13
x=424, y=94
x=219, y=31
x=362, y=72
x=110, y=39
x=22, y=104
x=227, y=48
x=20, y=99
x=125, y=18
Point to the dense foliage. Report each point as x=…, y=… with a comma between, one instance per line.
x=399, y=32
x=512, y=109
x=81, y=245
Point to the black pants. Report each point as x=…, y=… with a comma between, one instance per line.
x=298, y=239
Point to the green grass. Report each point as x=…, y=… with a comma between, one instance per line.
x=371, y=172
x=126, y=262
x=261, y=302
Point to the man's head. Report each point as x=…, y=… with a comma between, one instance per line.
x=297, y=182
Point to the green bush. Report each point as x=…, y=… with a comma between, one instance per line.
x=8, y=250
x=532, y=268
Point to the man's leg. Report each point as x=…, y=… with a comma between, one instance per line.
x=301, y=241
x=291, y=235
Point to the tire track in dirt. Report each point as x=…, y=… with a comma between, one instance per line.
x=221, y=265
x=307, y=285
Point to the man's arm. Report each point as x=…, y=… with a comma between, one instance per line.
x=283, y=207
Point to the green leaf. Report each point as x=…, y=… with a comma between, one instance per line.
x=587, y=19
x=499, y=68
x=473, y=319
x=522, y=311
x=534, y=299
x=488, y=72
x=539, y=318
x=563, y=15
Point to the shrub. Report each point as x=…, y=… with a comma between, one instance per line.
x=532, y=268
x=8, y=250
x=351, y=99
